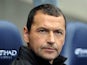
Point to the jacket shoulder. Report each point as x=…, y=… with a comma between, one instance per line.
x=20, y=62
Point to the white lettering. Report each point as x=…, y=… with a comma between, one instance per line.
x=8, y=52
x=81, y=52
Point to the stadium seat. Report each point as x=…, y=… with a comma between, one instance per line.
x=10, y=41
x=75, y=48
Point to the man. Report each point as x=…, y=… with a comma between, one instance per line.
x=44, y=35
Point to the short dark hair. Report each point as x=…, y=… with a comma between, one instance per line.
x=48, y=9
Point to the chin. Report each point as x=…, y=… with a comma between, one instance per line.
x=49, y=57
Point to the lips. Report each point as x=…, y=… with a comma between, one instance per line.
x=49, y=49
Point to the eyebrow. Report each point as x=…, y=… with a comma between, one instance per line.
x=48, y=29
x=42, y=28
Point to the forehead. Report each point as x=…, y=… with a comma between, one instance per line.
x=41, y=19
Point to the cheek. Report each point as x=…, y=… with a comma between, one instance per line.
x=60, y=44
x=36, y=42
x=61, y=41
x=38, y=39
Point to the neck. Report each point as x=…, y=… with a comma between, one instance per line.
x=51, y=62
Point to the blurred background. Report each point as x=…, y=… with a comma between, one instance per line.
x=16, y=11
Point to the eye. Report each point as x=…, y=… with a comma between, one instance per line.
x=58, y=32
x=42, y=30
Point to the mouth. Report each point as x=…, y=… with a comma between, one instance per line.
x=49, y=49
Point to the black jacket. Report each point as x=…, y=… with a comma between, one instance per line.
x=27, y=57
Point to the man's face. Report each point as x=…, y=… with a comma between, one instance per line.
x=47, y=35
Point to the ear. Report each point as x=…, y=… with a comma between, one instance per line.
x=26, y=34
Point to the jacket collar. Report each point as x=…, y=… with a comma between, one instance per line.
x=34, y=59
x=59, y=60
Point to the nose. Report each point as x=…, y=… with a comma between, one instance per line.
x=51, y=38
